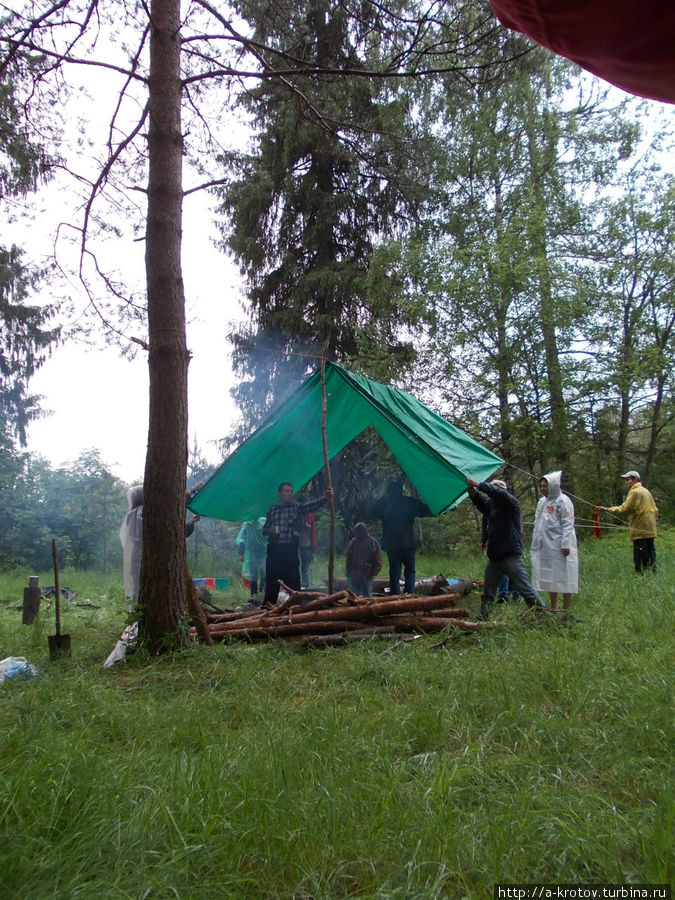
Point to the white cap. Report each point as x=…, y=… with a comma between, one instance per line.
x=632, y=474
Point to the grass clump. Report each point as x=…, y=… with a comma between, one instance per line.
x=526, y=754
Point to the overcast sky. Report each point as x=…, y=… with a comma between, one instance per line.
x=99, y=399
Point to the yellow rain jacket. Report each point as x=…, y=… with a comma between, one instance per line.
x=640, y=510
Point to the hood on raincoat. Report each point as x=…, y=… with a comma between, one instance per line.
x=554, y=479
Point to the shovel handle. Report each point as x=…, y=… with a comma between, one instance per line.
x=57, y=592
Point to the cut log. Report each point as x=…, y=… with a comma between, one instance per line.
x=197, y=610
x=311, y=617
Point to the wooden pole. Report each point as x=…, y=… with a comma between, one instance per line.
x=326, y=462
x=196, y=610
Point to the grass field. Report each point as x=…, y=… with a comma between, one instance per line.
x=526, y=754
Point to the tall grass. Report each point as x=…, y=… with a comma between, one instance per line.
x=529, y=753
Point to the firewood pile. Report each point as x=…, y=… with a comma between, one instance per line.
x=314, y=618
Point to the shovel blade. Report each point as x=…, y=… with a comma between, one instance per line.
x=59, y=645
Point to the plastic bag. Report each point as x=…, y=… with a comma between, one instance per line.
x=16, y=667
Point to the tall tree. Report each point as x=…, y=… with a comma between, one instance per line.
x=634, y=328
x=328, y=176
x=515, y=159
x=25, y=343
x=25, y=339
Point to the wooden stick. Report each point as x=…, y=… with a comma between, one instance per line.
x=197, y=610
x=326, y=463
x=405, y=640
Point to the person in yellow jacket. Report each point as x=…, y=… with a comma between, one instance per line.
x=640, y=510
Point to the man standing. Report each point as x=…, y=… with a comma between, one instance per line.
x=282, y=529
x=640, y=510
x=504, y=542
x=398, y=514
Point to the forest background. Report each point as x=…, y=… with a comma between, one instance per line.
x=492, y=232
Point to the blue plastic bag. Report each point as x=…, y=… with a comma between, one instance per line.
x=16, y=667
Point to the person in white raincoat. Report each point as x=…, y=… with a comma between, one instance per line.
x=131, y=538
x=554, y=557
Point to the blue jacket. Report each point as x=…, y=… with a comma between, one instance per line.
x=398, y=514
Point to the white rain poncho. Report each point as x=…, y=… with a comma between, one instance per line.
x=553, y=533
x=131, y=538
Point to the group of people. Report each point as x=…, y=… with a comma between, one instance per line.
x=283, y=529
x=553, y=553
x=555, y=565
x=280, y=546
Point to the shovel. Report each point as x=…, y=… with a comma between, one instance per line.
x=59, y=644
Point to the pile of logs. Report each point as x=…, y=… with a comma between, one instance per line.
x=313, y=618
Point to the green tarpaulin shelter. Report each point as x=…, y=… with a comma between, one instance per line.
x=435, y=456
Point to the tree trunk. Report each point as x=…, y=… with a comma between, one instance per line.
x=654, y=429
x=162, y=585
x=542, y=155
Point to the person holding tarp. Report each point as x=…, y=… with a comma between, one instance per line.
x=398, y=514
x=641, y=511
x=555, y=561
x=282, y=529
x=504, y=543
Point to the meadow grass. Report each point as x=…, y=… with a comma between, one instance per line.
x=530, y=753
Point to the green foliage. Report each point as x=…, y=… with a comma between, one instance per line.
x=22, y=161
x=25, y=340
x=527, y=754
x=81, y=508
x=327, y=179
x=24, y=344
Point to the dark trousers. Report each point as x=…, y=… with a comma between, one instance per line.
x=283, y=564
x=644, y=555
x=362, y=586
x=401, y=559
x=505, y=588
x=306, y=554
x=514, y=568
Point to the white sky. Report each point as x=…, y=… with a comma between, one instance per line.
x=99, y=399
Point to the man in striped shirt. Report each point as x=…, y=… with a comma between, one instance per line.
x=282, y=528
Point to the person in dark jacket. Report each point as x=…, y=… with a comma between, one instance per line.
x=505, y=587
x=504, y=542
x=398, y=514
x=363, y=560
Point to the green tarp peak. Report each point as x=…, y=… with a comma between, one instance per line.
x=436, y=456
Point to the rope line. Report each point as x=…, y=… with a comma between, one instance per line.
x=576, y=525
x=320, y=356
x=573, y=496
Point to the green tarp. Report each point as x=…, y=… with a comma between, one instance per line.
x=435, y=456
